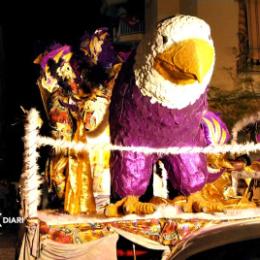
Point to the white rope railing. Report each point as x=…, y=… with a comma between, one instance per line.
x=211, y=149
x=30, y=180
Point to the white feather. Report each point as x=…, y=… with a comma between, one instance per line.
x=30, y=179
x=160, y=183
x=150, y=82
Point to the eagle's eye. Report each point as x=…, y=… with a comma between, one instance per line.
x=165, y=39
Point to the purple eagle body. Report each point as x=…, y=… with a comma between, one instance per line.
x=135, y=121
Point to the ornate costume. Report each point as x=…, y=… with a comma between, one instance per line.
x=69, y=171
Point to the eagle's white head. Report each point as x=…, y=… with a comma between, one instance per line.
x=174, y=66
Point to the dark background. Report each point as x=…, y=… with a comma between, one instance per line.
x=24, y=34
x=21, y=41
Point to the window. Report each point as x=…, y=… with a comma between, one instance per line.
x=249, y=35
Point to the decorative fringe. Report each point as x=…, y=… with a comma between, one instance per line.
x=30, y=180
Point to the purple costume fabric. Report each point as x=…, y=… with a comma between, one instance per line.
x=134, y=121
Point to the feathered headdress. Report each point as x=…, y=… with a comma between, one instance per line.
x=56, y=52
x=98, y=48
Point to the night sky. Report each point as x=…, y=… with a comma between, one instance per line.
x=21, y=41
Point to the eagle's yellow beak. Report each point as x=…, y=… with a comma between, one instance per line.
x=186, y=62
